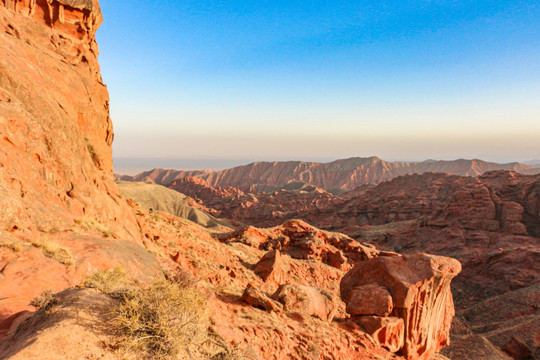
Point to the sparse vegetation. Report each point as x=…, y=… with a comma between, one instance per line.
x=90, y=224
x=43, y=301
x=164, y=320
x=54, y=251
x=15, y=245
x=109, y=281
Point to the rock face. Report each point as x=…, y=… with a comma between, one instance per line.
x=61, y=214
x=55, y=148
x=420, y=289
x=388, y=332
x=370, y=299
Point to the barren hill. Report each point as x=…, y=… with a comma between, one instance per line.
x=345, y=174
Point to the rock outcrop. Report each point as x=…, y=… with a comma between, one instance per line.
x=420, y=288
x=61, y=214
x=55, y=148
x=302, y=241
x=371, y=299
x=273, y=267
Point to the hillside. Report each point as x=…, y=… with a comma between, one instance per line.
x=153, y=197
x=338, y=175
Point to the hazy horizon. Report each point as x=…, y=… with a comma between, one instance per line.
x=133, y=166
x=274, y=80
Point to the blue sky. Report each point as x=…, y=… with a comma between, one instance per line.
x=323, y=79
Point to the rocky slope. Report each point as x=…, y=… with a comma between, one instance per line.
x=266, y=293
x=490, y=223
x=335, y=176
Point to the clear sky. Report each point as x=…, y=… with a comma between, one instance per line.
x=291, y=79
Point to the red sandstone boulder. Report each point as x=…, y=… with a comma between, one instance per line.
x=259, y=299
x=388, y=332
x=370, y=299
x=313, y=301
x=273, y=267
x=420, y=288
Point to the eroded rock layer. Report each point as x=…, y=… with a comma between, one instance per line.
x=420, y=288
x=56, y=134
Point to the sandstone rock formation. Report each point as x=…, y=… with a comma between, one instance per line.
x=257, y=298
x=55, y=152
x=273, y=267
x=420, y=289
x=388, y=332
x=490, y=223
x=61, y=214
x=303, y=241
x=371, y=299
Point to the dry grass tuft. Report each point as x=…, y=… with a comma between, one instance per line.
x=109, y=281
x=16, y=245
x=162, y=320
x=90, y=224
x=54, y=251
x=43, y=301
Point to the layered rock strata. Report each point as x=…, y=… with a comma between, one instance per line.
x=419, y=285
x=56, y=133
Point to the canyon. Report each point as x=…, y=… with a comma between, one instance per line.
x=286, y=261
x=489, y=222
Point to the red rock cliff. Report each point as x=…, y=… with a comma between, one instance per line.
x=55, y=129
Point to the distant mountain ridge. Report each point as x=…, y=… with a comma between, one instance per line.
x=343, y=174
x=534, y=162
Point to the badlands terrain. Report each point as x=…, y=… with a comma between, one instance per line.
x=356, y=259
x=490, y=222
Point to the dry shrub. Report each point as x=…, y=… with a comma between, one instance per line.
x=54, y=251
x=163, y=320
x=109, y=281
x=43, y=301
x=90, y=224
